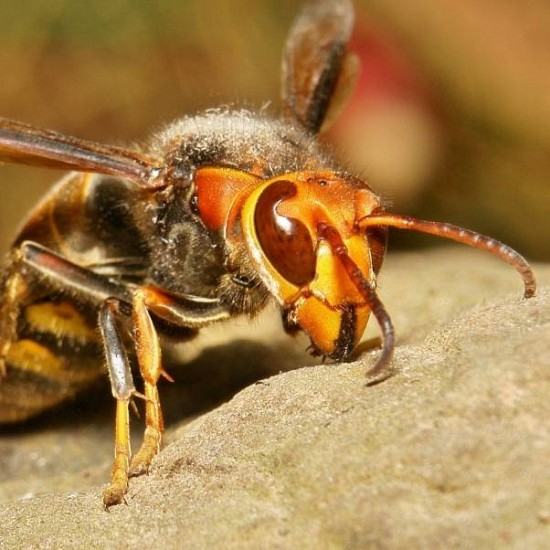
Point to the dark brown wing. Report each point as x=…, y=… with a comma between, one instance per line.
x=27, y=144
x=313, y=60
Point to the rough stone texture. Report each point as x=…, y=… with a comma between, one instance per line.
x=451, y=452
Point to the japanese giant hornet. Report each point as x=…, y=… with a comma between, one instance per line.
x=222, y=213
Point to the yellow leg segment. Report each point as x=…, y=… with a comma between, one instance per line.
x=114, y=493
x=150, y=366
x=153, y=433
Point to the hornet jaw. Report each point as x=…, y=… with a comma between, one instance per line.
x=302, y=234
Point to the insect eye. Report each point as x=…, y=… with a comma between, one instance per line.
x=285, y=241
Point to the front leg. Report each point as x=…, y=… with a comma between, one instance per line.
x=150, y=367
x=123, y=389
x=190, y=312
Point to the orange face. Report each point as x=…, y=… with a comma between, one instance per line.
x=281, y=221
x=283, y=224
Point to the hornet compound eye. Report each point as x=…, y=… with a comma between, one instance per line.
x=286, y=242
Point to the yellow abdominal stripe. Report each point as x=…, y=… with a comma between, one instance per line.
x=28, y=355
x=60, y=319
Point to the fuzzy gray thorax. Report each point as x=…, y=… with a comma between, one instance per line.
x=243, y=140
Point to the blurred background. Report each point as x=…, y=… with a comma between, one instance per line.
x=450, y=119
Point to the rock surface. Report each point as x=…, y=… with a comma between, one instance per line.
x=451, y=452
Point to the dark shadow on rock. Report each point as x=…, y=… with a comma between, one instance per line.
x=216, y=375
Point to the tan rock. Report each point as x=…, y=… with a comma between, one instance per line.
x=451, y=452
